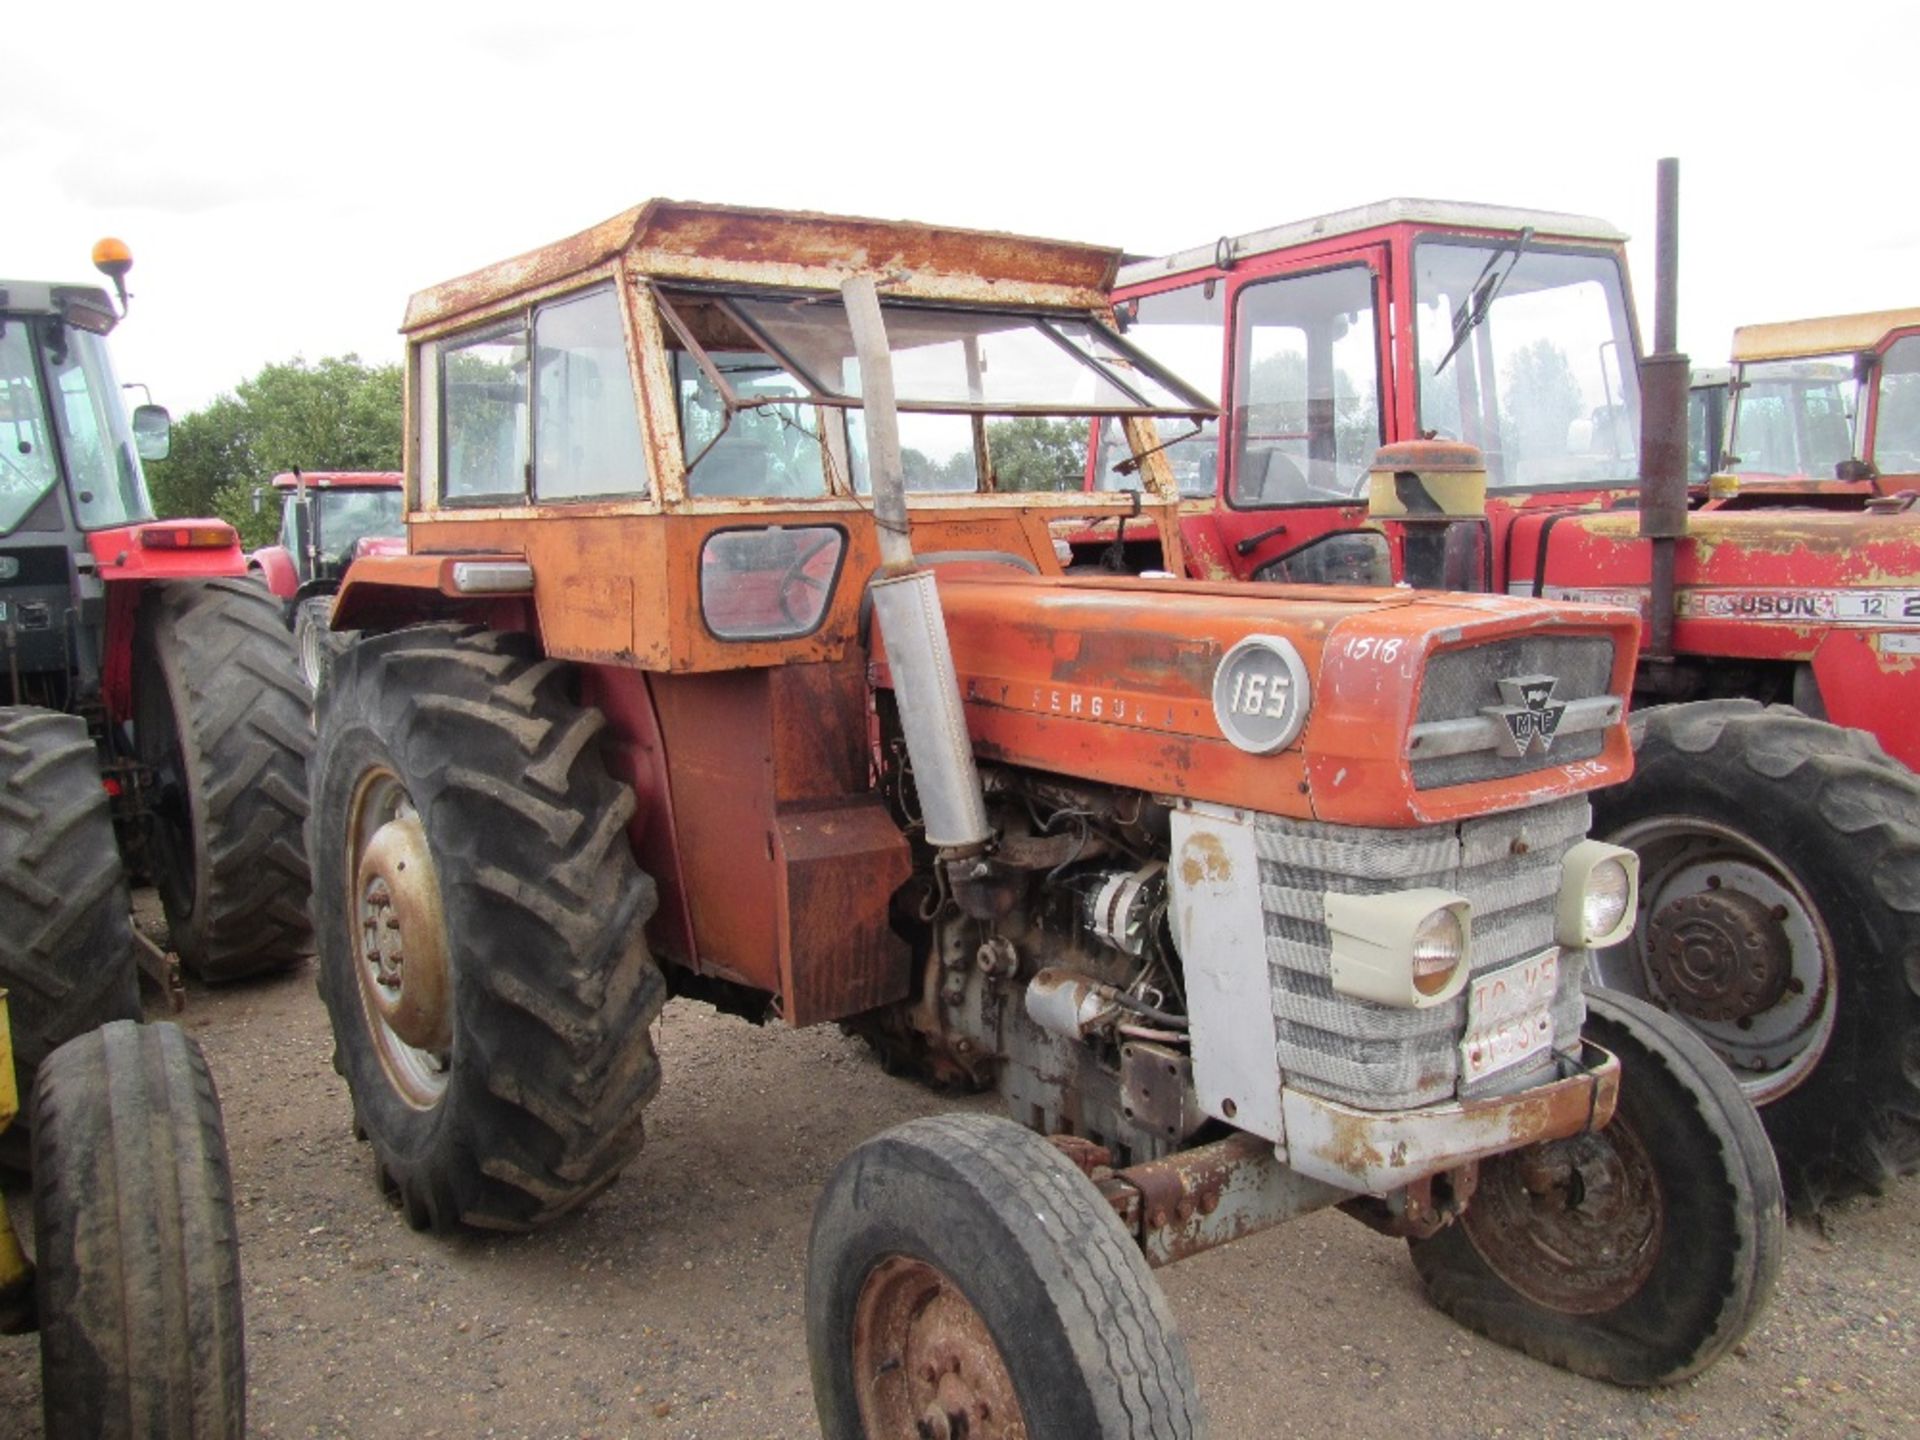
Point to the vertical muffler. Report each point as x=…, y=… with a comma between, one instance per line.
x=906, y=604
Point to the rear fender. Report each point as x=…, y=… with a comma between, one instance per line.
x=390, y=592
x=275, y=566
x=128, y=553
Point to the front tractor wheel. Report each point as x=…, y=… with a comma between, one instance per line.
x=964, y=1279
x=220, y=719
x=480, y=924
x=1780, y=920
x=1636, y=1254
x=138, y=1259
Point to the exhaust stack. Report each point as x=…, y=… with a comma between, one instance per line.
x=1663, y=418
x=906, y=604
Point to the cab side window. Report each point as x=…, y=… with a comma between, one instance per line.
x=541, y=405
x=586, y=426
x=483, y=399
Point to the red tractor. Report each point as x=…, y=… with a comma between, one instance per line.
x=1240, y=897
x=328, y=519
x=141, y=671
x=1493, y=353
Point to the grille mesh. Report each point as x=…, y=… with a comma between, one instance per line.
x=1459, y=684
x=1381, y=1057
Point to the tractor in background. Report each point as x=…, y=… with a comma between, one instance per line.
x=1241, y=899
x=1451, y=395
x=142, y=675
x=328, y=519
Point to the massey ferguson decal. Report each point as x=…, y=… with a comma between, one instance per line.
x=1531, y=715
x=1824, y=607
x=1878, y=609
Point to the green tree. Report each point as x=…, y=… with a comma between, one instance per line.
x=1032, y=453
x=1542, y=399
x=337, y=414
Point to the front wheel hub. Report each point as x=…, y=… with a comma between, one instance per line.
x=1719, y=955
x=924, y=1363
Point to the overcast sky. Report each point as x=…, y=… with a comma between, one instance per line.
x=288, y=174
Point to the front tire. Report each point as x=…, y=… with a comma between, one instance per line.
x=964, y=1279
x=1780, y=919
x=66, y=947
x=1638, y=1254
x=137, y=1256
x=221, y=719
x=480, y=921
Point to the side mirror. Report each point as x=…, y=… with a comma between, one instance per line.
x=259, y=500
x=152, y=432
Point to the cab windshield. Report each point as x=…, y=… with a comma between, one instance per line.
x=40, y=358
x=1182, y=329
x=345, y=517
x=770, y=393
x=1794, y=417
x=1528, y=354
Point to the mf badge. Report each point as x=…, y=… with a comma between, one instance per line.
x=1531, y=715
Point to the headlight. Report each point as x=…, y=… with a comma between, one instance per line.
x=1407, y=948
x=1439, y=945
x=1599, y=888
x=1261, y=695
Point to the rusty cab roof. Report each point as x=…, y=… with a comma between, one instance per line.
x=679, y=240
x=1827, y=335
x=1435, y=214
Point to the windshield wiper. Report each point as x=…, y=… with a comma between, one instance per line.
x=1480, y=299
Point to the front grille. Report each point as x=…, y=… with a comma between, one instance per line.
x=1381, y=1057
x=1453, y=740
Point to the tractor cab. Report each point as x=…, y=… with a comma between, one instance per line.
x=1404, y=321
x=327, y=520
x=1827, y=408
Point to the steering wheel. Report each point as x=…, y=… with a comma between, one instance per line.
x=795, y=584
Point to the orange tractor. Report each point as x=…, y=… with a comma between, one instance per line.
x=1250, y=902
x=1493, y=353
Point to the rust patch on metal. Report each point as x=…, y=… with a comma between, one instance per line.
x=1203, y=861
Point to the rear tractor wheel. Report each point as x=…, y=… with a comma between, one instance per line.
x=66, y=946
x=1636, y=1254
x=964, y=1279
x=480, y=923
x=221, y=719
x=1780, y=920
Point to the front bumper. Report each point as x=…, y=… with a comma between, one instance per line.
x=1373, y=1152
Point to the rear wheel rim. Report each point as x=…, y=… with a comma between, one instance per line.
x=925, y=1366
x=398, y=936
x=312, y=637
x=1729, y=940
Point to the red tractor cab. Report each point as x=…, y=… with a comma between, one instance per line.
x=1334, y=336
x=1448, y=395
x=138, y=664
x=1827, y=407
x=328, y=519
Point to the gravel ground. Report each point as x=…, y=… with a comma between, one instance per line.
x=671, y=1307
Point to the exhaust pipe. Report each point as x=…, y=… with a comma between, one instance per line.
x=906, y=604
x=1663, y=418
